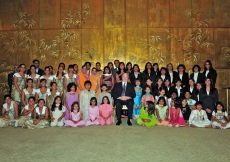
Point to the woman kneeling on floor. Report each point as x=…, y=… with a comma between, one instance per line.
x=40, y=115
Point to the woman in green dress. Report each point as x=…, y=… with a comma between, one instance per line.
x=52, y=94
x=147, y=117
x=36, y=78
x=19, y=83
x=28, y=92
x=40, y=117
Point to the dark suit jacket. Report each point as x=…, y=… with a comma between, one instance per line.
x=10, y=81
x=40, y=72
x=175, y=77
x=114, y=72
x=200, y=77
x=133, y=78
x=168, y=92
x=182, y=92
x=145, y=76
x=212, y=74
x=194, y=92
x=117, y=91
x=210, y=100
x=184, y=79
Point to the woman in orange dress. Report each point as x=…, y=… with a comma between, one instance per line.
x=95, y=80
x=82, y=77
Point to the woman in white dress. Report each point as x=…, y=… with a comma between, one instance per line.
x=27, y=112
x=19, y=83
x=198, y=117
x=29, y=91
x=52, y=94
x=42, y=92
x=34, y=76
x=49, y=78
x=57, y=113
x=40, y=117
x=220, y=119
x=9, y=112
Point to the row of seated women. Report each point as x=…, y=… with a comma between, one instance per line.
x=39, y=116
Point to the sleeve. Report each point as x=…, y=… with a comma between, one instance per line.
x=225, y=113
x=205, y=115
x=77, y=78
x=191, y=117
x=114, y=92
x=63, y=108
x=213, y=113
x=81, y=98
x=142, y=112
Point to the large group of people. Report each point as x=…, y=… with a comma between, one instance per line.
x=75, y=98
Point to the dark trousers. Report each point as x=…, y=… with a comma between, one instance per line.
x=119, y=104
x=209, y=115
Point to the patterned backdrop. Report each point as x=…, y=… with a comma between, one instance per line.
x=75, y=31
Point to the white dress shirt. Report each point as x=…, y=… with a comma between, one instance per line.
x=195, y=76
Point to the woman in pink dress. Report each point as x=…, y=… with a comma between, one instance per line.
x=176, y=117
x=105, y=112
x=71, y=96
x=75, y=116
x=93, y=113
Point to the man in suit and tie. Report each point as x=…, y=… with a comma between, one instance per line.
x=115, y=70
x=123, y=94
x=11, y=78
x=39, y=71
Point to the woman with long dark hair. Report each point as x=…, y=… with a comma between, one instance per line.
x=120, y=72
x=210, y=72
x=148, y=73
x=196, y=75
x=209, y=97
x=182, y=75
x=135, y=74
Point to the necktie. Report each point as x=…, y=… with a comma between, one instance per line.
x=123, y=89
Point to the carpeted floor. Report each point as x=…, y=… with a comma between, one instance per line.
x=115, y=144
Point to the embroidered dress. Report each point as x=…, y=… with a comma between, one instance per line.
x=146, y=119
x=93, y=114
x=173, y=121
x=75, y=117
x=11, y=113
x=220, y=116
x=35, y=80
x=137, y=102
x=199, y=119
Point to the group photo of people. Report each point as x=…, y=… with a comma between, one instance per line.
x=89, y=95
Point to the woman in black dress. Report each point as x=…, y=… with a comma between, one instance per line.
x=135, y=74
x=182, y=75
x=210, y=72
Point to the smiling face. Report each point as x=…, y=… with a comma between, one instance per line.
x=47, y=71
x=138, y=83
x=207, y=65
x=29, y=83
x=41, y=103
x=8, y=100
x=54, y=86
x=43, y=83
x=196, y=69
x=87, y=86
x=149, y=82
x=147, y=90
x=191, y=82
x=93, y=102
x=31, y=102
x=159, y=82
x=135, y=69
x=22, y=68
x=105, y=100
x=167, y=83
x=32, y=70
x=207, y=82
x=199, y=107
x=75, y=107
x=219, y=107
x=125, y=77
x=36, y=64
x=162, y=92
x=58, y=100
x=184, y=102
x=161, y=102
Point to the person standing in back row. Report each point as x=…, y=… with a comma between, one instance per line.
x=39, y=71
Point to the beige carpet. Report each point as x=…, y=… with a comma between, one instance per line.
x=115, y=144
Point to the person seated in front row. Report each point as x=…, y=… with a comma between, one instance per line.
x=9, y=112
x=185, y=109
x=176, y=117
x=199, y=118
x=162, y=112
x=40, y=117
x=93, y=113
x=147, y=117
x=76, y=116
x=57, y=113
x=220, y=119
x=105, y=112
x=27, y=113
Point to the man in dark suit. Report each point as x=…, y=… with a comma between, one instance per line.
x=115, y=70
x=39, y=71
x=123, y=94
x=11, y=78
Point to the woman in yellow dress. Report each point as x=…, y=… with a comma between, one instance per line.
x=95, y=80
x=82, y=77
x=19, y=83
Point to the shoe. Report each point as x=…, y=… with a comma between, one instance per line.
x=129, y=123
x=118, y=122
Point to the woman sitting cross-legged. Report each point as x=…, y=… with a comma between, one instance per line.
x=57, y=113
x=147, y=117
x=105, y=112
x=40, y=116
x=9, y=112
x=27, y=112
x=162, y=112
x=220, y=119
x=75, y=119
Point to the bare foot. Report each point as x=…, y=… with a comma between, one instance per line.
x=208, y=126
x=143, y=125
x=191, y=125
x=217, y=127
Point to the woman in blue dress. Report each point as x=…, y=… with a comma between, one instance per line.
x=137, y=99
